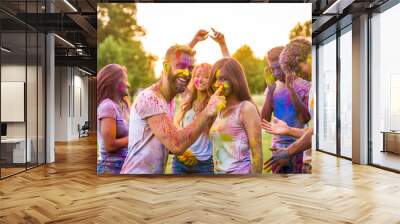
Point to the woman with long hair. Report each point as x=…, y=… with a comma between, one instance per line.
x=112, y=118
x=198, y=158
x=236, y=132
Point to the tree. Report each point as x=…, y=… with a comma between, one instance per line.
x=268, y=76
x=253, y=68
x=118, y=42
x=303, y=30
x=139, y=64
x=118, y=20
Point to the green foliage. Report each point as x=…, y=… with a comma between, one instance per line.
x=269, y=78
x=118, y=20
x=253, y=68
x=118, y=43
x=131, y=55
x=303, y=30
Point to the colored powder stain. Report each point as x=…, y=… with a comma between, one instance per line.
x=226, y=137
x=218, y=74
x=121, y=86
x=215, y=86
x=197, y=83
x=178, y=54
x=183, y=72
x=213, y=129
x=221, y=106
x=253, y=141
x=312, y=103
x=226, y=86
x=201, y=97
x=166, y=68
x=309, y=59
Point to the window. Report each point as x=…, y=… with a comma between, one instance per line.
x=385, y=89
x=22, y=75
x=327, y=95
x=346, y=93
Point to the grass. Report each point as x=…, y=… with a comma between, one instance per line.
x=266, y=138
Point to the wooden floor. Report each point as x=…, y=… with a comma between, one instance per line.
x=10, y=171
x=387, y=159
x=69, y=191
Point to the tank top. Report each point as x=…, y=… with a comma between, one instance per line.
x=231, y=149
x=202, y=147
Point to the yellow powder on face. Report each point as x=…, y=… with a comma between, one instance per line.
x=167, y=67
x=217, y=74
x=183, y=72
x=226, y=88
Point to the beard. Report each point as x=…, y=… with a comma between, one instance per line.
x=177, y=83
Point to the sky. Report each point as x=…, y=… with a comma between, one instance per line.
x=262, y=26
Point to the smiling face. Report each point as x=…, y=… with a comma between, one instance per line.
x=201, y=78
x=179, y=73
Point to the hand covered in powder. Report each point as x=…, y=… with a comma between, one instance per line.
x=188, y=158
x=216, y=103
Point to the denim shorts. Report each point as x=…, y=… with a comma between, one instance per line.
x=202, y=167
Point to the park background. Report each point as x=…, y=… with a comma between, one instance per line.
x=137, y=35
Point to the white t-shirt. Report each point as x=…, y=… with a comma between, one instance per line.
x=146, y=154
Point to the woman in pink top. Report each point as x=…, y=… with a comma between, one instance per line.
x=236, y=132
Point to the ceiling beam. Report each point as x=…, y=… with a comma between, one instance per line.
x=84, y=24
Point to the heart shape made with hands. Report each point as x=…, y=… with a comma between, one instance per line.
x=204, y=34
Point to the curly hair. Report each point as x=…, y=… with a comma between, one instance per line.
x=295, y=52
x=273, y=54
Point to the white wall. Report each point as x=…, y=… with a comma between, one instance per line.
x=61, y=103
x=12, y=73
x=71, y=93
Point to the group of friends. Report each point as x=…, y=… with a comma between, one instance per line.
x=217, y=128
